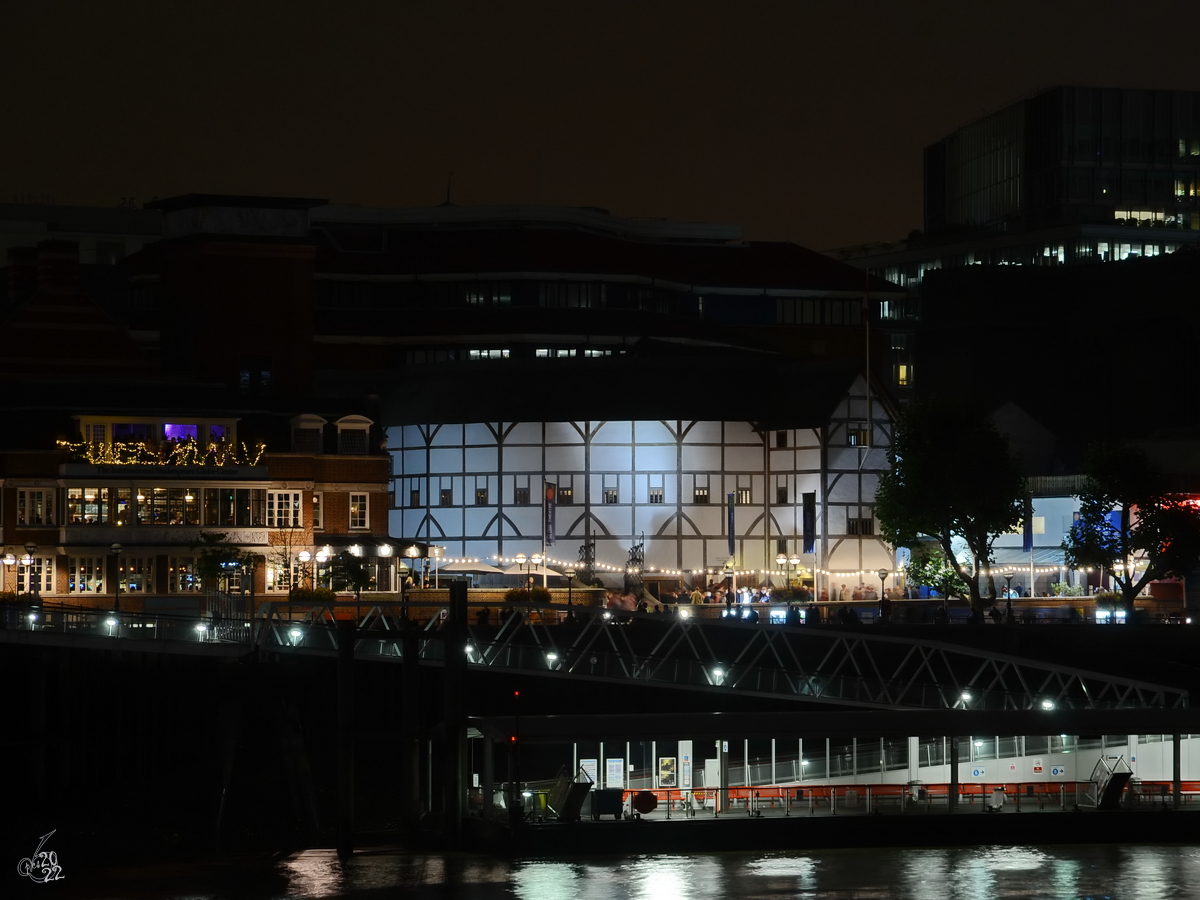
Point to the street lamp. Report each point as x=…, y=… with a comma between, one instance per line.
x=412, y=553
x=28, y=559
x=115, y=550
x=1008, y=577
x=883, y=574
x=529, y=563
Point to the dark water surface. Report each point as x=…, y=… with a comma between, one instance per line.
x=1094, y=871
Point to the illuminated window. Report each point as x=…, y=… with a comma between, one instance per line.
x=656, y=495
x=903, y=374
x=481, y=496
x=358, y=511
x=700, y=495
x=87, y=506
x=85, y=575
x=743, y=496
x=473, y=355
x=36, y=573
x=565, y=496
x=521, y=496
x=610, y=495
x=857, y=435
x=316, y=511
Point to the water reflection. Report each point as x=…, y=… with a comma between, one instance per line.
x=1069, y=873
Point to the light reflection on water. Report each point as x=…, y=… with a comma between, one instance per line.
x=984, y=873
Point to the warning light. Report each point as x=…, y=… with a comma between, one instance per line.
x=513, y=738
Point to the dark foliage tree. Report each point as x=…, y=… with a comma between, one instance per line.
x=1129, y=523
x=217, y=557
x=952, y=476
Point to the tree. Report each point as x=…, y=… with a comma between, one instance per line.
x=1129, y=523
x=217, y=556
x=952, y=477
x=929, y=566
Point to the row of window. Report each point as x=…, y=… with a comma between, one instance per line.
x=700, y=496
x=91, y=574
x=180, y=506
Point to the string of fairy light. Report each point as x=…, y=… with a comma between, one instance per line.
x=187, y=452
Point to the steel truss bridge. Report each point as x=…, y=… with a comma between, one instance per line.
x=865, y=667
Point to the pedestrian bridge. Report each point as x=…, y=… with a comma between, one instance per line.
x=870, y=668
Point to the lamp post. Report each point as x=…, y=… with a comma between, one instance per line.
x=412, y=553
x=115, y=550
x=402, y=573
x=529, y=563
x=29, y=559
x=1008, y=577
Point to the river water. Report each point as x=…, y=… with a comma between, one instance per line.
x=983, y=873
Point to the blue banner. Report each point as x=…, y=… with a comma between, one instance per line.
x=731, y=531
x=1027, y=526
x=809, y=522
x=551, y=495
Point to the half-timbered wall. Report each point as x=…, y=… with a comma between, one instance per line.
x=477, y=489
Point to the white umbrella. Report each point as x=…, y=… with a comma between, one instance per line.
x=518, y=569
x=470, y=567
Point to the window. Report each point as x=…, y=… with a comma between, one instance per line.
x=35, y=507
x=743, y=496
x=481, y=496
x=306, y=434
x=254, y=374
x=87, y=506
x=85, y=575
x=565, y=496
x=35, y=574
x=136, y=573
x=317, y=521
x=283, y=509
x=781, y=546
x=860, y=526
x=610, y=495
x=899, y=341
x=473, y=355
x=183, y=506
x=781, y=494
x=857, y=435
x=446, y=497
x=358, y=511
x=414, y=498
x=182, y=575
x=903, y=375
x=226, y=506
x=352, y=435
x=656, y=495
x=700, y=495
x=521, y=496
x=780, y=439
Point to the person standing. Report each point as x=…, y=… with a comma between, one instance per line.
x=844, y=593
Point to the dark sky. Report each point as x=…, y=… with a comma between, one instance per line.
x=803, y=120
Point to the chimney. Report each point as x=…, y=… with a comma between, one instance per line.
x=58, y=267
x=22, y=272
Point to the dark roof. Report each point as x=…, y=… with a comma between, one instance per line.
x=471, y=253
x=237, y=201
x=769, y=391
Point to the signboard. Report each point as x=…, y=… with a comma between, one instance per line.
x=590, y=768
x=1058, y=771
x=666, y=771
x=730, y=498
x=978, y=772
x=1037, y=766
x=614, y=773
x=687, y=773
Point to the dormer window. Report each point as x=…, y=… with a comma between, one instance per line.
x=306, y=434
x=352, y=435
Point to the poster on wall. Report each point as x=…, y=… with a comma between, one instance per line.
x=666, y=771
x=1037, y=765
x=614, y=773
x=591, y=768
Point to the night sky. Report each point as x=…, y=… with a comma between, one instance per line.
x=803, y=121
